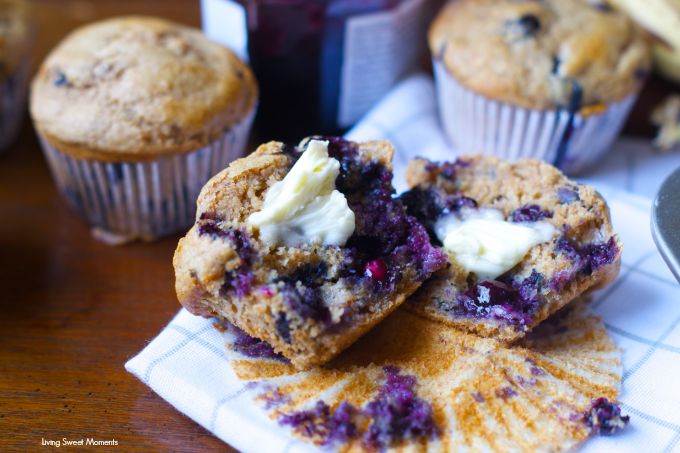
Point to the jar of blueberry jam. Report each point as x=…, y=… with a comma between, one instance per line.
x=322, y=64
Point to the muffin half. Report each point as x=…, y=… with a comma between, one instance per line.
x=304, y=247
x=522, y=239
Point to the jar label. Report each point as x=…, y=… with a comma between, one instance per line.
x=379, y=49
x=225, y=22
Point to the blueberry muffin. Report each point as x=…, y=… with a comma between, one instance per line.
x=136, y=114
x=303, y=247
x=548, y=79
x=522, y=240
x=16, y=43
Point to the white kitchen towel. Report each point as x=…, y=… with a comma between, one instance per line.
x=187, y=365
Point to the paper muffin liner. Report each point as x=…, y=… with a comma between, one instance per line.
x=571, y=141
x=128, y=201
x=13, y=95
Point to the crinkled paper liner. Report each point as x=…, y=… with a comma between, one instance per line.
x=570, y=141
x=128, y=201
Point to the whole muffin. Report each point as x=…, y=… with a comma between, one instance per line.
x=16, y=40
x=136, y=114
x=567, y=63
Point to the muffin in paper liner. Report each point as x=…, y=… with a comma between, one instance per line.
x=13, y=89
x=571, y=138
x=135, y=114
x=16, y=43
x=127, y=201
x=413, y=384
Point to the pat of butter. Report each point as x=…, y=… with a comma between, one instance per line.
x=304, y=207
x=484, y=243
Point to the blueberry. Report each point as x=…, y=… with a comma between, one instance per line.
x=530, y=213
x=604, y=417
x=60, y=79
x=589, y=257
x=511, y=302
x=568, y=194
x=397, y=413
x=601, y=6
x=556, y=62
x=526, y=26
x=252, y=347
x=283, y=327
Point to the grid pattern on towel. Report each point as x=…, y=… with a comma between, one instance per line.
x=187, y=363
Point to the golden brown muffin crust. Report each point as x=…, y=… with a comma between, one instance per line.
x=529, y=53
x=136, y=88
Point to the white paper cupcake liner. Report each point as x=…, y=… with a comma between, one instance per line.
x=570, y=141
x=13, y=94
x=127, y=201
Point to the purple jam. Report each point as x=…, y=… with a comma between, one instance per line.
x=568, y=194
x=530, y=213
x=604, y=417
x=394, y=415
x=253, y=347
x=589, y=257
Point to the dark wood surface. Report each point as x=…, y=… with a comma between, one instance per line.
x=74, y=310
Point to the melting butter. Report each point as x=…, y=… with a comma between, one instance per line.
x=483, y=242
x=304, y=207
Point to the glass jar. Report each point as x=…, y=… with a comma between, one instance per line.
x=322, y=64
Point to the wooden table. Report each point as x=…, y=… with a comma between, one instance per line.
x=74, y=310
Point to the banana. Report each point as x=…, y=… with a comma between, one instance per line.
x=661, y=17
x=667, y=61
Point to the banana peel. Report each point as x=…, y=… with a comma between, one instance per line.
x=667, y=61
x=662, y=19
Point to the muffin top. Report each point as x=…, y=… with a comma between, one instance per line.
x=14, y=34
x=541, y=54
x=136, y=88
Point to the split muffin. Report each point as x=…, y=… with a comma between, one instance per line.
x=135, y=114
x=522, y=240
x=303, y=248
